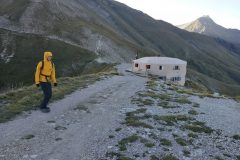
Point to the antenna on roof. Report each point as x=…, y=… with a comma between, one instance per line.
x=136, y=57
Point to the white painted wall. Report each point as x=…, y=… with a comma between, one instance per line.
x=167, y=70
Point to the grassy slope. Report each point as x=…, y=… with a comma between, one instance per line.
x=213, y=84
x=69, y=60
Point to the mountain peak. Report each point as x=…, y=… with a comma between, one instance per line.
x=206, y=16
x=206, y=25
x=200, y=25
x=206, y=20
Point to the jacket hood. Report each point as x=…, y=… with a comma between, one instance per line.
x=46, y=55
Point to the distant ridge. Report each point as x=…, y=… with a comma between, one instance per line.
x=205, y=25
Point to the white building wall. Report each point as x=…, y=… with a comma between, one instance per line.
x=167, y=71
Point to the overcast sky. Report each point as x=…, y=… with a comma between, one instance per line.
x=224, y=12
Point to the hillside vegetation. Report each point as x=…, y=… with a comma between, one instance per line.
x=115, y=32
x=27, y=51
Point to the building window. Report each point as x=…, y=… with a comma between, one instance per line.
x=176, y=68
x=148, y=66
x=178, y=78
x=160, y=68
x=164, y=78
x=136, y=65
x=175, y=79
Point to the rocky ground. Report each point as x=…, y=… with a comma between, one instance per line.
x=126, y=117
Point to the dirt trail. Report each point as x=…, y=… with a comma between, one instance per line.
x=67, y=132
x=159, y=122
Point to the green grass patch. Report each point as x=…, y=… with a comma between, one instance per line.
x=81, y=107
x=169, y=157
x=111, y=136
x=196, y=105
x=237, y=98
x=238, y=157
x=192, y=135
x=165, y=105
x=196, y=87
x=153, y=95
x=165, y=142
x=149, y=145
x=193, y=112
x=58, y=139
x=51, y=121
x=165, y=97
x=207, y=94
x=118, y=155
x=151, y=84
x=29, y=136
x=171, y=119
x=236, y=137
x=153, y=157
x=138, y=111
x=199, y=123
x=227, y=155
x=198, y=127
x=175, y=135
x=118, y=129
x=190, y=92
x=125, y=141
x=186, y=153
x=125, y=158
x=149, y=94
x=146, y=142
x=173, y=87
x=183, y=100
x=135, y=121
x=169, y=107
x=113, y=154
x=60, y=128
x=181, y=141
x=147, y=102
x=218, y=158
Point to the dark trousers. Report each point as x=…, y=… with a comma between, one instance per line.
x=47, y=91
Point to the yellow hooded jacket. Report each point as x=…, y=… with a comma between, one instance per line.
x=47, y=73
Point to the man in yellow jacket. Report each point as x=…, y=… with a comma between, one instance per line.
x=44, y=76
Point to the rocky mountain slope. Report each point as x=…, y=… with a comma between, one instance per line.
x=205, y=25
x=115, y=32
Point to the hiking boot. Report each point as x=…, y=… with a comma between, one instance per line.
x=45, y=109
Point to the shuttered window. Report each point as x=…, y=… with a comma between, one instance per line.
x=176, y=68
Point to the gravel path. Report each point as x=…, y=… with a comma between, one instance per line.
x=221, y=114
x=89, y=123
x=69, y=133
